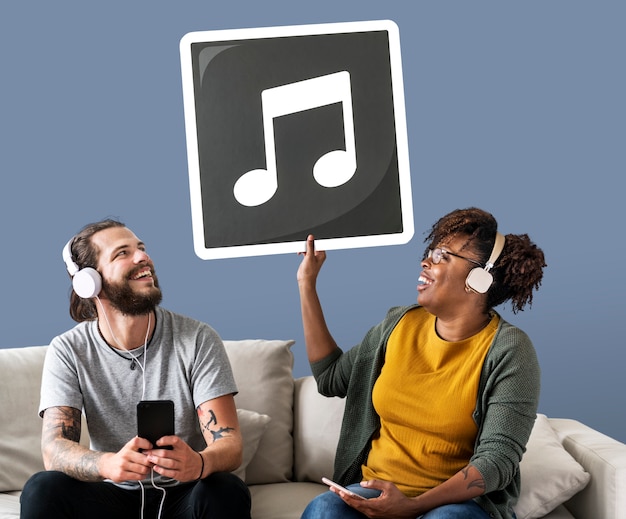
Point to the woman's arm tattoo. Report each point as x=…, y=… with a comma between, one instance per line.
x=478, y=482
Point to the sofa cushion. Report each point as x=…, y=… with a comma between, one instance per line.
x=549, y=474
x=283, y=500
x=263, y=373
x=252, y=426
x=20, y=425
x=317, y=421
x=9, y=506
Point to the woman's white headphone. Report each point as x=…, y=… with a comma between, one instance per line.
x=480, y=279
x=86, y=282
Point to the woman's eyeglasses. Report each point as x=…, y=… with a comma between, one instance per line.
x=435, y=256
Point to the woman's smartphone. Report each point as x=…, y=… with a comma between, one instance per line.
x=343, y=489
x=155, y=419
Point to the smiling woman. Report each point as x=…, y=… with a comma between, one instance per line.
x=469, y=381
x=512, y=274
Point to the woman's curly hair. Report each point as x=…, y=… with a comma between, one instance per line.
x=519, y=269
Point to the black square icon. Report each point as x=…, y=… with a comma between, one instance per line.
x=292, y=131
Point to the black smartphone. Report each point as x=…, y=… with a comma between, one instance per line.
x=155, y=419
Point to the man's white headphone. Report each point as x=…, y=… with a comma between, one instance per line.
x=86, y=282
x=480, y=279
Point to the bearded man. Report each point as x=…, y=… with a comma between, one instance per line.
x=126, y=349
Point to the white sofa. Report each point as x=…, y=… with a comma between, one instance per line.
x=291, y=431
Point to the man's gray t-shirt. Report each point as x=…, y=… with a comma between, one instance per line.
x=185, y=362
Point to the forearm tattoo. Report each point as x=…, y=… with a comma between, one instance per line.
x=60, y=439
x=208, y=422
x=473, y=483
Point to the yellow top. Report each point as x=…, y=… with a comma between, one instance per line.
x=425, y=396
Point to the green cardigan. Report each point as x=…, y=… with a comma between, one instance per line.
x=505, y=413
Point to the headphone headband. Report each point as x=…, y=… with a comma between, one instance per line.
x=496, y=251
x=71, y=265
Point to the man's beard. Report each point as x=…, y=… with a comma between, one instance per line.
x=123, y=298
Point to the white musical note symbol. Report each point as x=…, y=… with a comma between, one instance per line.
x=332, y=169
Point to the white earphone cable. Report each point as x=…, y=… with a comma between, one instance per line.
x=143, y=394
x=123, y=346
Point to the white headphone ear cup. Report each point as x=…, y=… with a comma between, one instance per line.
x=87, y=283
x=479, y=280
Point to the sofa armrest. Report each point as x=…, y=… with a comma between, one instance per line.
x=605, y=459
x=20, y=425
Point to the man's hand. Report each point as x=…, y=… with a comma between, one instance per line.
x=181, y=463
x=129, y=464
x=62, y=451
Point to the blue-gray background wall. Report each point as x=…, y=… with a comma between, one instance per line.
x=516, y=107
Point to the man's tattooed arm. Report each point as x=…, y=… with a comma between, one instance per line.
x=218, y=422
x=208, y=422
x=61, y=448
